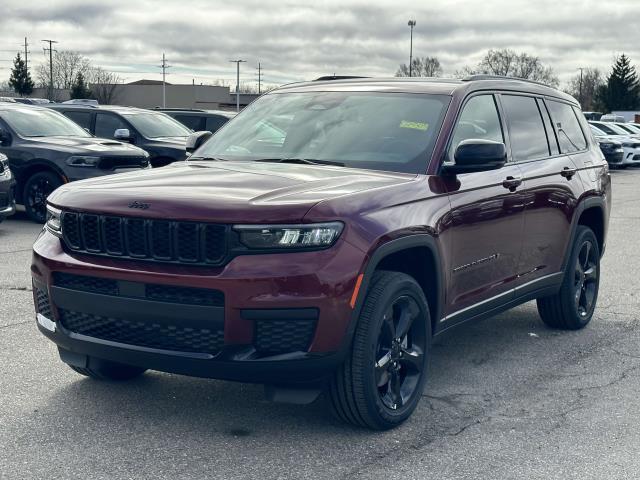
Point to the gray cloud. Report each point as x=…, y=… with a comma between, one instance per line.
x=301, y=40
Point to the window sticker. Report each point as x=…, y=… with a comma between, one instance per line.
x=414, y=125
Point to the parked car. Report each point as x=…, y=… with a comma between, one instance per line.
x=611, y=149
x=81, y=101
x=32, y=100
x=199, y=120
x=7, y=100
x=630, y=143
x=332, y=256
x=630, y=128
x=159, y=134
x=592, y=115
x=7, y=186
x=612, y=118
x=46, y=150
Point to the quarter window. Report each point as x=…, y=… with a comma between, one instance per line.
x=570, y=135
x=526, y=130
x=479, y=120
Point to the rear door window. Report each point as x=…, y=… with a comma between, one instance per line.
x=570, y=135
x=107, y=124
x=190, y=121
x=214, y=123
x=526, y=129
x=81, y=118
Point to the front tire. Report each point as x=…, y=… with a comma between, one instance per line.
x=105, y=370
x=38, y=187
x=382, y=379
x=573, y=306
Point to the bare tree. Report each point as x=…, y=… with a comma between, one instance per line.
x=508, y=63
x=585, y=87
x=104, y=85
x=421, y=67
x=66, y=67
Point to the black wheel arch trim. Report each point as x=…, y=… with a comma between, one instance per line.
x=394, y=246
x=583, y=205
x=35, y=166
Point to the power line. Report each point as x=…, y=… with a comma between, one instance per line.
x=50, y=49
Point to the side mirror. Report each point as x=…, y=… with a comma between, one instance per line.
x=197, y=139
x=477, y=155
x=122, y=134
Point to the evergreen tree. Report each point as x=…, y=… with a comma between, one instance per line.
x=79, y=88
x=20, y=79
x=622, y=90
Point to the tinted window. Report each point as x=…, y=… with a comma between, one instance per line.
x=570, y=134
x=371, y=130
x=606, y=129
x=81, y=118
x=107, y=124
x=189, y=121
x=526, y=130
x=479, y=120
x=214, y=123
x=156, y=125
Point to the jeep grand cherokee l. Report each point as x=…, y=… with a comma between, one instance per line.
x=46, y=149
x=156, y=133
x=326, y=235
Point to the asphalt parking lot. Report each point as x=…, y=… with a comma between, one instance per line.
x=507, y=398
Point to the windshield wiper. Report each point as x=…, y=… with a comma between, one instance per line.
x=302, y=161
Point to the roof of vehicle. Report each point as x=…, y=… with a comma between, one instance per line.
x=198, y=111
x=110, y=108
x=441, y=86
x=20, y=106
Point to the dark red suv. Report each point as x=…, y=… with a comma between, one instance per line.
x=323, y=237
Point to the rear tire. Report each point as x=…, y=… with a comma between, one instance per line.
x=381, y=381
x=104, y=370
x=573, y=306
x=36, y=190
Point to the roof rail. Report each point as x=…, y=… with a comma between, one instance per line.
x=337, y=77
x=483, y=76
x=172, y=109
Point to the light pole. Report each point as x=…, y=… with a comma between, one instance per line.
x=412, y=23
x=237, y=62
x=580, y=94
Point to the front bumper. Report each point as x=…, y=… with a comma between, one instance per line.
x=260, y=292
x=614, y=156
x=631, y=156
x=7, y=197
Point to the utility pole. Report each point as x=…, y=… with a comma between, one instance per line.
x=237, y=62
x=259, y=78
x=51, y=50
x=164, y=67
x=26, y=53
x=412, y=23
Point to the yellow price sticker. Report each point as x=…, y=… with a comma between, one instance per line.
x=415, y=125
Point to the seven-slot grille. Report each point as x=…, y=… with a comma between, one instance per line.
x=145, y=239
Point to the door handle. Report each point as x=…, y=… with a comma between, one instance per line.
x=568, y=172
x=512, y=183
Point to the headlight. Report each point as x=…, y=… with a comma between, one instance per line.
x=54, y=224
x=289, y=237
x=4, y=165
x=82, y=161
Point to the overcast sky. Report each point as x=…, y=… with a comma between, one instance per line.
x=297, y=40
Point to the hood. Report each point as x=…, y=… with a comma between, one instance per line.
x=86, y=145
x=224, y=192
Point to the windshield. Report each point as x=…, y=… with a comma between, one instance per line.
x=156, y=125
x=628, y=128
x=371, y=130
x=33, y=122
x=608, y=130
